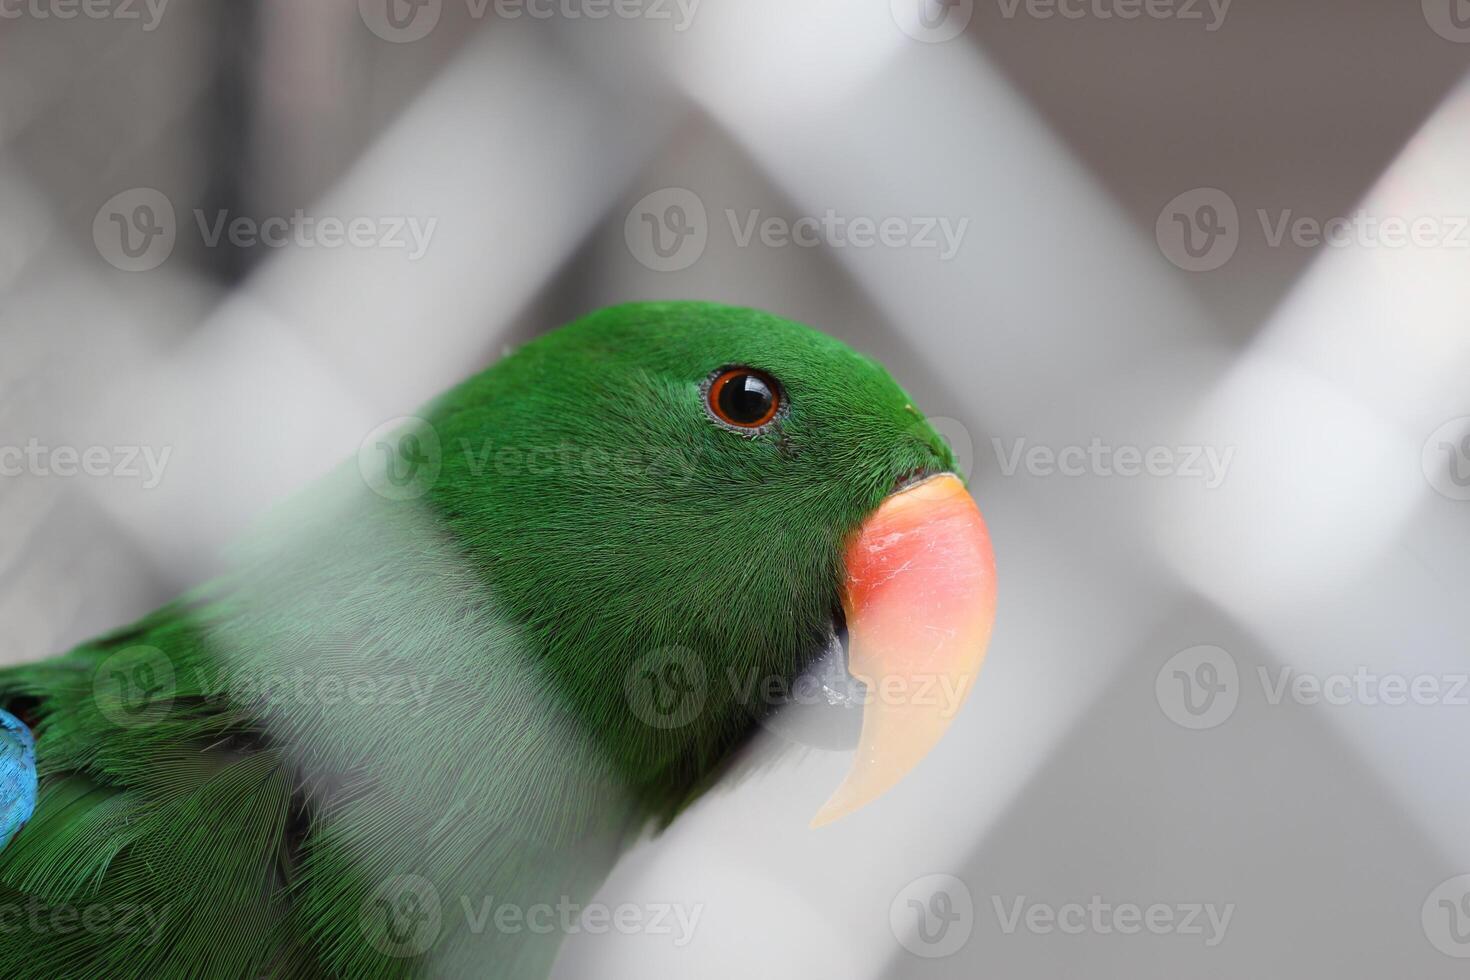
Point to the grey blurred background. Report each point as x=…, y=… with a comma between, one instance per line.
x=1222, y=727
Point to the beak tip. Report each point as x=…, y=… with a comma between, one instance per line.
x=831, y=812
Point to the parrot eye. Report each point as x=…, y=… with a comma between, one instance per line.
x=742, y=398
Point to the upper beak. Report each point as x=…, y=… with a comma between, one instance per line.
x=920, y=601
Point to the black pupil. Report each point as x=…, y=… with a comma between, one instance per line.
x=746, y=398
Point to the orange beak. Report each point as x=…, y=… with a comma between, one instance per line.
x=920, y=603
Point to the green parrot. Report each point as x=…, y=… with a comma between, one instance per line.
x=488, y=654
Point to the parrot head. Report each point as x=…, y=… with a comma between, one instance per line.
x=681, y=498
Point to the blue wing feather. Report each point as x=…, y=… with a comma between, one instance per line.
x=17, y=776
